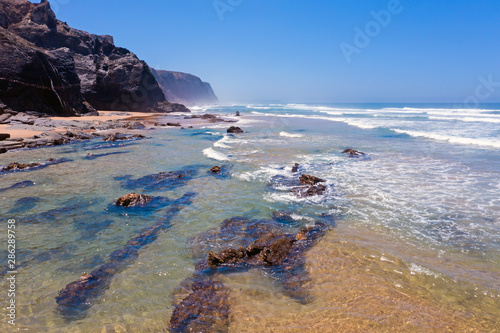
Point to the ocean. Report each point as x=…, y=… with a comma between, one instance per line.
x=413, y=240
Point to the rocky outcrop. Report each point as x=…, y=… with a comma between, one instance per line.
x=15, y=166
x=133, y=199
x=78, y=296
x=310, y=180
x=352, y=152
x=205, y=309
x=34, y=79
x=234, y=129
x=215, y=169
x=108, y=77
x=185, y=88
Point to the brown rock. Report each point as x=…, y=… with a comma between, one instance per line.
x=352, y=152
x=205, y=309
x=310, y=180
x=295, y=167
x=215, y=169
x=234, y=129
x=309, y=191
x=133, y=199
x=19, y=166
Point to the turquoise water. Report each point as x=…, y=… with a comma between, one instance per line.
x=420, y=211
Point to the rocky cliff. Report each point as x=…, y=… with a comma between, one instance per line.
x=34, y=79
x=185, y=88
x=72, y=65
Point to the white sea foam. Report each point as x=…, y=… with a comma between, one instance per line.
x=468, y=119
x=264, y=173
x=363, y=124
x=222, y=143
x=452, y=139
x=416, y=269
x=290, y=135
x=213, y=154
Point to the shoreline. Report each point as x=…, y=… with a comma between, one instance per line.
x=27, y=131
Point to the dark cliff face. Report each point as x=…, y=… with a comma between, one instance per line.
x=185, y=88
x=110, y=77
x=32, y=79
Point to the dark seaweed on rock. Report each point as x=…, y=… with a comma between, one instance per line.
x=122, y=137
x=161, y=181
x=280, y=182
x=254, y=244
x=26, y=257
x=234, y=232
x=146, y=209
x=205, y=309
x=90, y=224
x=221, y=172
x=91, y=156
x=109, y=145
x=24, y=204
x=23, y=184
x=15, y=167
x=78, y=296
x=74, y=208
x=282, y=253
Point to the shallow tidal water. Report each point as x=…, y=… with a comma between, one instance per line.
x=414, y=247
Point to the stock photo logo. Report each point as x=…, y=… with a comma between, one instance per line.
x=371, y=30
x=223, y=6
x=483, y=91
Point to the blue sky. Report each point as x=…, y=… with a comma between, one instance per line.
x=295, y=51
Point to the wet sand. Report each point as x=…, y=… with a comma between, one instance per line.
x=357, y=289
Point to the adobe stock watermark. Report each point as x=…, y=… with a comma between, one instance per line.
x=55, y=5
x=363, y=37
x=224, y=6
x=484, y=90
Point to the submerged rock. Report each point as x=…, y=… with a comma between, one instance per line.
x=12, y=167
x=133, y=199
x=283, y=253
x=283, y=216
x=19, y=166
x=263, y=246
x=234, y=129
x=160, y=181
x=309, y=191
x=215, y=169
x=22, y=184
x=120, y=137
x=352, y=152
x=77, y=296
x=205, y=309
x=91, y=156
x=24, y=204
x=269, y=249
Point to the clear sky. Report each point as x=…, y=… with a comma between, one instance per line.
x=311, y=50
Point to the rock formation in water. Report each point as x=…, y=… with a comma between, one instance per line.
x=56, y=69
x=185, y=88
